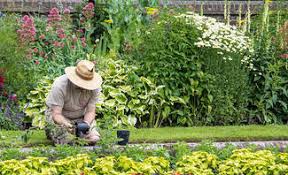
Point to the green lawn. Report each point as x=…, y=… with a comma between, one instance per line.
x=158, y=135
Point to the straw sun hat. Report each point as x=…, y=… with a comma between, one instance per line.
x=84, y=75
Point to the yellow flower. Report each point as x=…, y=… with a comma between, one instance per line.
x=151, y=10
x=108, y=21
x=268, y=1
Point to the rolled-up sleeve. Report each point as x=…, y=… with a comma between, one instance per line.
x=55, y=97
x=95, y=98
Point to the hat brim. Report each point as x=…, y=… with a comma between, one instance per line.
x=92, y=84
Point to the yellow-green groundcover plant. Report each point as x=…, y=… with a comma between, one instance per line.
x=242, y=161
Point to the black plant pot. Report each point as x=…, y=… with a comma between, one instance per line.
x=124, y=135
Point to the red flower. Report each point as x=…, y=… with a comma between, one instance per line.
x=72, y=47
x=2, y=79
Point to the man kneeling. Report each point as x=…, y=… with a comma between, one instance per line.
x=71, y=105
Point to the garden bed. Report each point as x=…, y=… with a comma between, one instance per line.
x=180, y=159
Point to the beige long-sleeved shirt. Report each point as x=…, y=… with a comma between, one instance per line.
x=71, y=98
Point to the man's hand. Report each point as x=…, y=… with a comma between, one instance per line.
x=60, y=119
x=68, y=126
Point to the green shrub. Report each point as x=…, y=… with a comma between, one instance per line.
x=269, y=76
x=6, y=123
x=37, y=102
x=208, y=77
x=12, y=57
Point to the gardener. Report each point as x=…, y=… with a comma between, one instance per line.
x=71, y=101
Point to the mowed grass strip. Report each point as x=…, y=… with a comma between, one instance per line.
x=215, y=133
x=170, y=135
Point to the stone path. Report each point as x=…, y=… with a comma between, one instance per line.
x=260, y=144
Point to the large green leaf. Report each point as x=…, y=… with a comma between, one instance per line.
x=121, y=98
x=110, y=103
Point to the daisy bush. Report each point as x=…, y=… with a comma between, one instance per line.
x=226, y=39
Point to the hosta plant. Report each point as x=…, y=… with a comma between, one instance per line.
x=37, y=102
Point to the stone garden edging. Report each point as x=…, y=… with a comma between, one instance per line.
x=281, y=144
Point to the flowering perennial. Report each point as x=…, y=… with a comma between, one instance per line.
x=54, y=17
x=27, y=30
x=217, y=35
x=88, y=10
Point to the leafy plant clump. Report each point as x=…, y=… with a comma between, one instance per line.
x=241, y=161
x=196, y=60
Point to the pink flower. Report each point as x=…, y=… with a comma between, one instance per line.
x=37, y=62
x=54, y=16
x=81, y=30
x=83, y=39
x=41, y=53
x=72, y=47
x=27, y=30
x=88, y=10
x=66, y=11
x=74, y=39
x=284, y=56
x=42, y=36
x=35, y=50
x=60, y=33
x=56, y=44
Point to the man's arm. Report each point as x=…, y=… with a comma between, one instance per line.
x=89, y=114
x=59, y=118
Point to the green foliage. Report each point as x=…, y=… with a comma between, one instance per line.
x=180, y=150
x=197, y=163
x=168, y=52
x=12, y=56
x=126, y=96
x=6, y=123
x=247, y=162
x=37, y=106
x=269, y=76
x=240, y=161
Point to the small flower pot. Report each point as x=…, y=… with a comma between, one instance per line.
x=124, y=135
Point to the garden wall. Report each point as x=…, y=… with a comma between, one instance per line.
x=210, y=7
